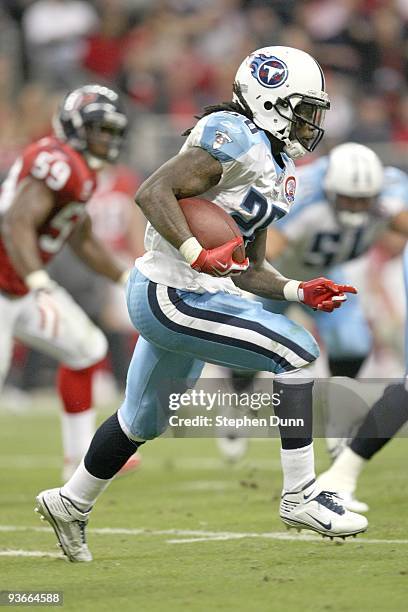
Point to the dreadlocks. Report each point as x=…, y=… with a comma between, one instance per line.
x=240, y=106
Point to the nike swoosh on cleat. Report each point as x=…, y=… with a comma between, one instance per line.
x=325, y=525
x=222, y=265
x=305, y=497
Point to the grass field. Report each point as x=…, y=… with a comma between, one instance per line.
x=189, y=533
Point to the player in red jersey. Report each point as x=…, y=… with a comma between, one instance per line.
x=42, y=207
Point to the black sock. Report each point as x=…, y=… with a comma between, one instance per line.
x=109, y=450
x=296, y=402
x=383, y=421
x=346, y=367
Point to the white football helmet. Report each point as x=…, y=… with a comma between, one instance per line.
x=354, y=171
x=284, y=89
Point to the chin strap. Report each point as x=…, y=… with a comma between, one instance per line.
x=294, y=149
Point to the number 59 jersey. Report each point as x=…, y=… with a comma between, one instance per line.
x=66, y=173
x=253, y=189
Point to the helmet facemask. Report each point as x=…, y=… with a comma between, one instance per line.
x=104, y=137
x=354, y=212
x=305, y=116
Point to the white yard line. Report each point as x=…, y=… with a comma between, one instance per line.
x=29, y=553
x=29, y=462
x=192, y=535
x=33, y=462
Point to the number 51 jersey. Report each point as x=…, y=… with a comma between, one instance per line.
x=316, y=240
x=66, y=173
x=253, y=189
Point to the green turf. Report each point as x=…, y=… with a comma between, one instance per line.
x=184, y=485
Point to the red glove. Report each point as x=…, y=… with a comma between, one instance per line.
x=219, y=261
x=323, y=294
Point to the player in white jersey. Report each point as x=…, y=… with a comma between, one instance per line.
x=344, y=202
x=189, y=311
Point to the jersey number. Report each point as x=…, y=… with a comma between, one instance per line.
x=63, y=223
x=325, y=247
x=56, y=172
x=256, y=213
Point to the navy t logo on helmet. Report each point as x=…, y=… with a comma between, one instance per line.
x=269, y=71
x=92, y=114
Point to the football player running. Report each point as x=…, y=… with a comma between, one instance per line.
x=381, y=424
x=43, y=206
x=188, y=309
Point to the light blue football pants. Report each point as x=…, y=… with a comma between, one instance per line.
x=181, y=330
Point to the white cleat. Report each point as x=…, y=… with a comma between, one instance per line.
x=68, y=523
x=351, y=503
x=320, y=511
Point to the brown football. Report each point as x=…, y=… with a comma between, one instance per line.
x=211, y=225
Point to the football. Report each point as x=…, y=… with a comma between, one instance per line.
x=211, y=225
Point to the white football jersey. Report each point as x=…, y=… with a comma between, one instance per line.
x=253, y=189
x=317, y=241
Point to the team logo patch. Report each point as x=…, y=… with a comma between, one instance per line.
x=290, y=189
x=221, y=138
x=269, y=71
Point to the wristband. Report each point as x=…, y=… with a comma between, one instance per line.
x=38, y=280
x=191, y=249
x=291, y=291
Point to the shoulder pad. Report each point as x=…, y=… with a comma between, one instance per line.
x=227, y=136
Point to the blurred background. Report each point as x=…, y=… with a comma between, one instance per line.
x=169, y=58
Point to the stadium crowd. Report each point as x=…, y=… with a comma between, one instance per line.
x=172, y=57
